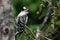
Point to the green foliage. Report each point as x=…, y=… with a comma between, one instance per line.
x=37, y=12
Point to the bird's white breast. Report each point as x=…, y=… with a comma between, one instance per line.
x=22, y=13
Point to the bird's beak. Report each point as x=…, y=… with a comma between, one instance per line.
x=27, y=10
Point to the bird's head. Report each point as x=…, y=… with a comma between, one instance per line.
x=25, y=9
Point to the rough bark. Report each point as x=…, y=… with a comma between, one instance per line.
x=6, y=20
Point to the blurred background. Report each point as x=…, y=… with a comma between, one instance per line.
x=37, y=12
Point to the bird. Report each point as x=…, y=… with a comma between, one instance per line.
x=21, y=20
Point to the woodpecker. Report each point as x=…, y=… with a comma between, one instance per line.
x=21, y=20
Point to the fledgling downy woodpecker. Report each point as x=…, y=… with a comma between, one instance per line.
x=21, y=20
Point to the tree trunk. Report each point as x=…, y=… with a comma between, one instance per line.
x=6, y=20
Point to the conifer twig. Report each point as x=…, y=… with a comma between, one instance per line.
x=30, y=30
